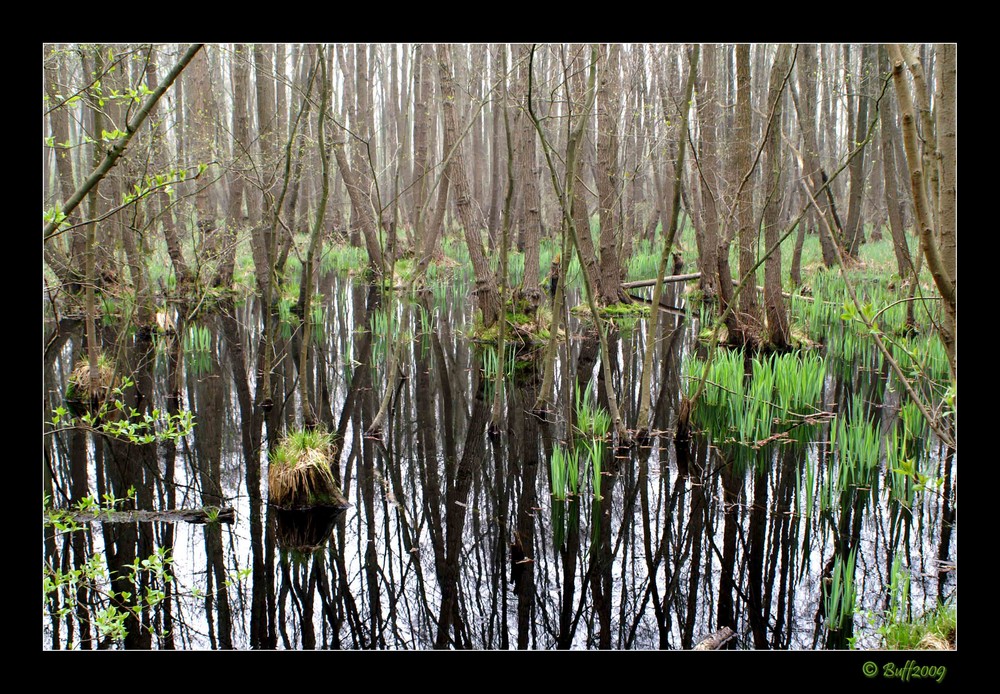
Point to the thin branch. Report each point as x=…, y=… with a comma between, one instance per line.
x=118, y=149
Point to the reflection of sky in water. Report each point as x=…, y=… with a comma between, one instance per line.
x=335, y=584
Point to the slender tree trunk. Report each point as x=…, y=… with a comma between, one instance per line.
x=531, y=200
x=777, y=313
x=241, y=165
x=946, y=104
x=422, y=179
x=708, y=233
x=606, y=174
x=309, y=418
x=749, y=321
x=889, y=133
x=94, y=205
x=940, y=257
x=855, y=226
x=472, y=222
x=806, y=71
x=642, y=418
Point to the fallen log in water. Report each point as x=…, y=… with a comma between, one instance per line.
x=208, y=514
x=694, y=276
x=671, y=278
x=716, y=640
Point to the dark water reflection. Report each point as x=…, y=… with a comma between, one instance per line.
x=453, y=539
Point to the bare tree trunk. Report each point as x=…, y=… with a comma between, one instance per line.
x=777, y=314
x=359, y=175
x=806, y=71
x=642, y=418
x=201, y=118
x=94, y=208
x=928, y=136
x=362, y=211
x=889, y=135
x=423, y=85
x=855, y=227
x=566, y=194
x=707, y=235
x=531, y=228
x=496, y=140
x=937, y=241
x=606, y=174
x=472, y=222
x=749, y=320
x=309, y=419
x=241, y=164
x=56, y=255
x=345, y=58
x=947, y=76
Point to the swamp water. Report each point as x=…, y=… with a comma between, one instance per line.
x=454, y=537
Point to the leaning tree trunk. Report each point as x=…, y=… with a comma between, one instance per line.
x=806, y=71
x=940, y=256
x=472, y=222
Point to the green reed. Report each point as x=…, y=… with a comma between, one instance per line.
x=840, y=595
x=856, y=441
x=592, y=420
x=565, y=468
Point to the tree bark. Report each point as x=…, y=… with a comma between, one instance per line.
x=472, y=222
x=707, y=235
x=606, y=174
x=806, y=71
x=642, y=418
x=749, y=315
x=889, y=133
x=855, y=228
x=531, y=228
x=777, y=313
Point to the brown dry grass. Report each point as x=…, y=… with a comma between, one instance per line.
x=80, y=381
x=933, y=642
x=81, y=376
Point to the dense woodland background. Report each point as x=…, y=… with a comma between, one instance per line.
x=420, y=142
x=183, y=186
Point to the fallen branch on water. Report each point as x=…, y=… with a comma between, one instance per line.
x=208, y=514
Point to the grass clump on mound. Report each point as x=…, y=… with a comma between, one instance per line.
x=81, y=380
x=299, y=474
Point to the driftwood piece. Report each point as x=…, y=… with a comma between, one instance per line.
x=716, y=640
x=189, y=515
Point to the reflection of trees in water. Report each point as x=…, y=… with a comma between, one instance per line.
x=450, y=539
